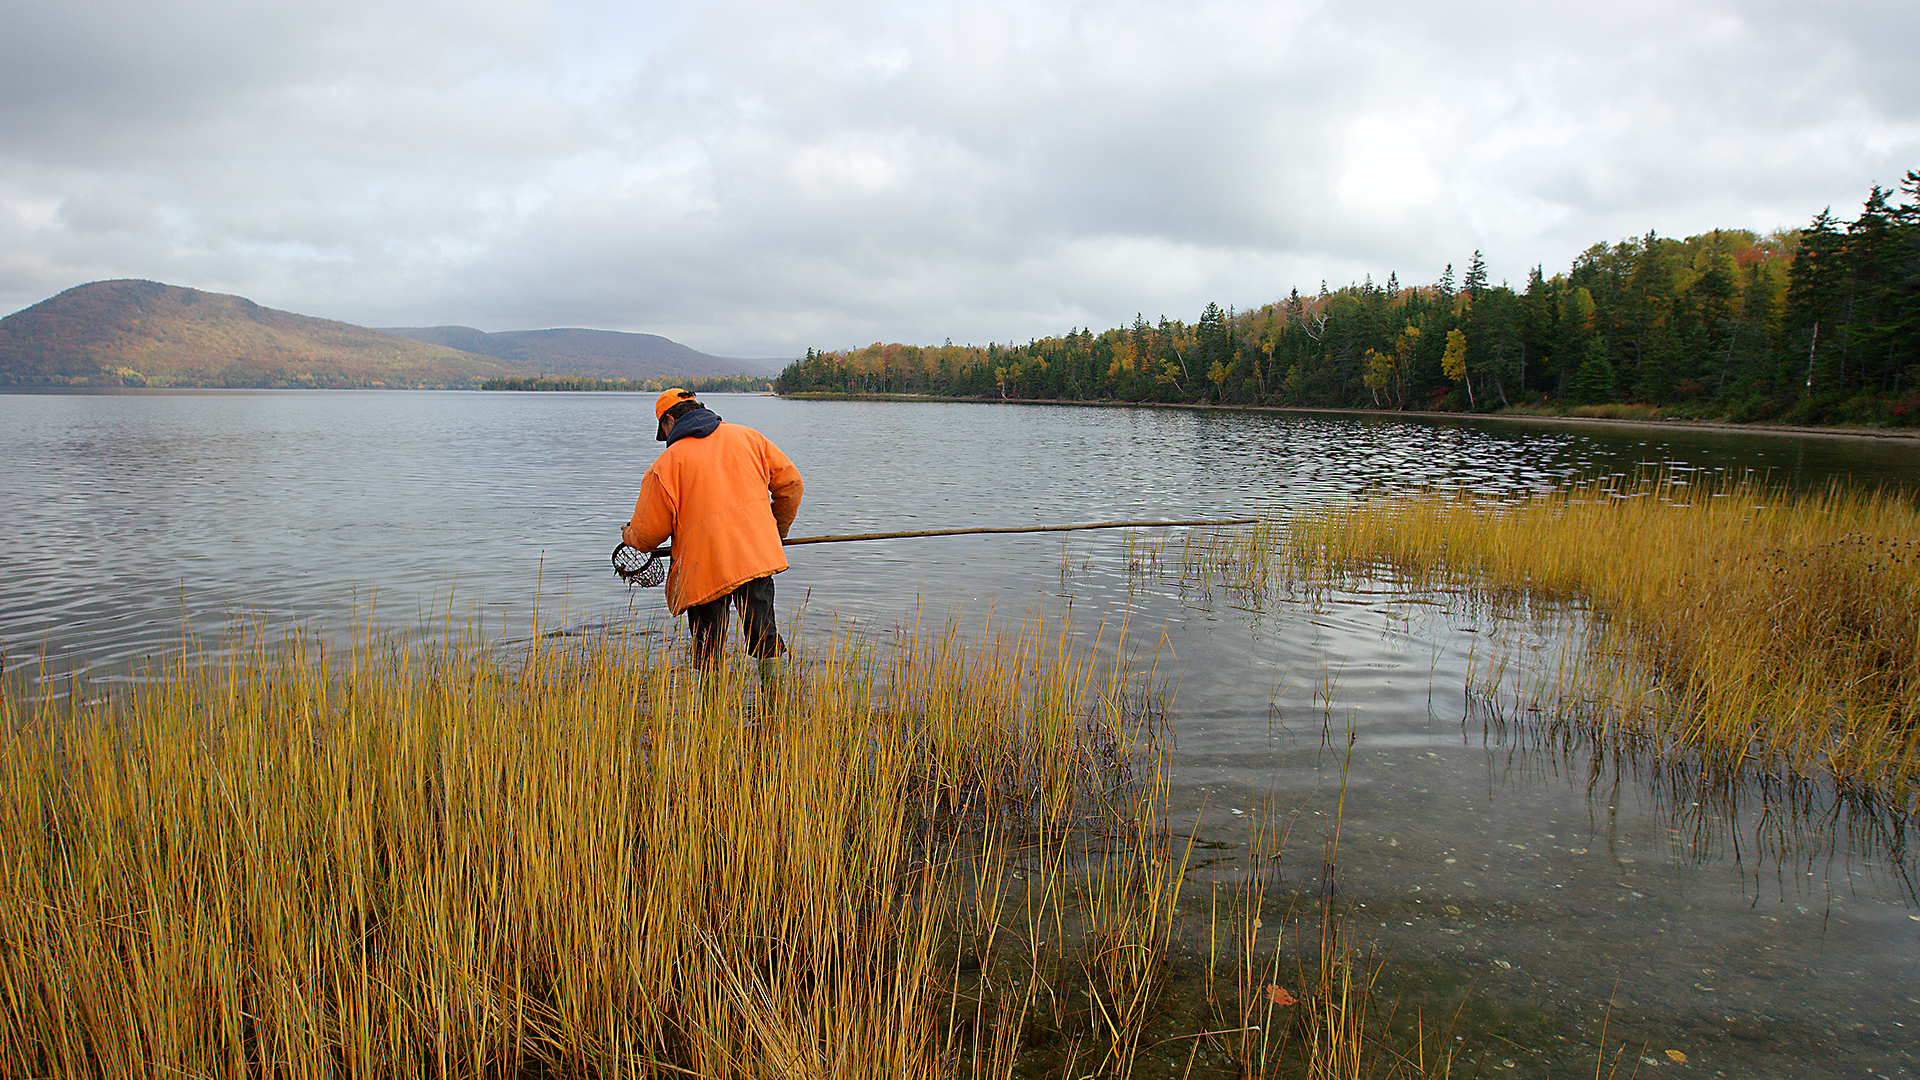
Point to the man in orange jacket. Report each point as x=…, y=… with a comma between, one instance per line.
x=726, y=496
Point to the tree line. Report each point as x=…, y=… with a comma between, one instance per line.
x=702, y=384
x=1813, y=325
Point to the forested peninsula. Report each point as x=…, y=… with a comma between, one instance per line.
x=1819, y=325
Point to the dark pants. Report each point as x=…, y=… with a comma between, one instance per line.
x=708, y=622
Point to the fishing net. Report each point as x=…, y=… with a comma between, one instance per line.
x=636, y=567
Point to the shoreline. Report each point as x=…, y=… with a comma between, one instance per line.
x=1892, y=435
x=1897, y=435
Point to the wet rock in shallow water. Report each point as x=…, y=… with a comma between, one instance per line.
x=1749, y=1030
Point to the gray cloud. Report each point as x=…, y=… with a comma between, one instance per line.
x=753, y=177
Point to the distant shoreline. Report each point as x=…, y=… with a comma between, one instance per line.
x=1870, y=434
x=1896, y=435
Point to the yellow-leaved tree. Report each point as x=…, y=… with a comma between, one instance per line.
x=1453, y=362
x=1378, y=369
x=1388, y=371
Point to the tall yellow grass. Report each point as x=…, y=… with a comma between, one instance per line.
x=397, y=862
x=384, y=859
x=1737, y=621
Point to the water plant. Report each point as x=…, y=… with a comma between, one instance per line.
x=1747, y=625
x=379, y=858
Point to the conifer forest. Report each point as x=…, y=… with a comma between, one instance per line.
x=1817, y=325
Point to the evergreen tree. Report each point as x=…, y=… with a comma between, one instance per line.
x=1594, y=382
x=1815, y=290
x=1476, y=275
x=1213, y=344
x=1880, y=254
x=1537, y=329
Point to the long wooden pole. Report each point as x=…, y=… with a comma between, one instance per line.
x=796, y=541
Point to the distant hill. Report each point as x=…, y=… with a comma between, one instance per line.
x=597, y=354
x=143, y=333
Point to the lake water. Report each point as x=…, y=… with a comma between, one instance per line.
x=1757, y=931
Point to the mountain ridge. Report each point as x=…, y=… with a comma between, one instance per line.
x=582, y=352
x=136, y=333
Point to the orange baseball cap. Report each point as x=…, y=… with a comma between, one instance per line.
x=668, y=399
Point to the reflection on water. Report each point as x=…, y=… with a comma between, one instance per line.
x=1761, y=928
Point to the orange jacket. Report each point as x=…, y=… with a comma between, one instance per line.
x=726, y=500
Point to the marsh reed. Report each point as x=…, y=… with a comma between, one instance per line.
x=1738, y=622
x=382, y=858
x=390, y=861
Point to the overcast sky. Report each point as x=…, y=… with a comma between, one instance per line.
x=752, y=178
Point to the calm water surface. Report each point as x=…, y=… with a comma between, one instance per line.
x=1759, y=931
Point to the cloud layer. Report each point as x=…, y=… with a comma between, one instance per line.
x=754, y=177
